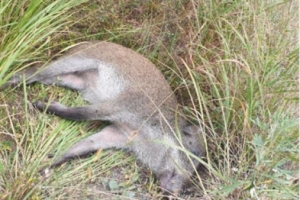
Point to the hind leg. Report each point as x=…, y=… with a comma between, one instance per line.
x=67, y=71
x=76, y=81
x=17, y=78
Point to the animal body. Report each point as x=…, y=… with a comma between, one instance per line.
x=127, y=90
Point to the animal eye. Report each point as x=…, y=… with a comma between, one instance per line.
x=186, y=133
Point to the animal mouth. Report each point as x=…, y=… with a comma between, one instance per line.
x=168, y=181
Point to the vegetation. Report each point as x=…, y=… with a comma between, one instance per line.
x=232, y=64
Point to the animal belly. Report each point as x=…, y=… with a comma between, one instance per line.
x=106, y=86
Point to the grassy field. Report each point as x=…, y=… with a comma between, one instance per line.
x=232, y=64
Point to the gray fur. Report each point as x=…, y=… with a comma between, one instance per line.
x=126, y=89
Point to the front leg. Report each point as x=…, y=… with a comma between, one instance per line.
x=109, y=137
x=102, y=111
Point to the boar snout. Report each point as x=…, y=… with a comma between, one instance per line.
x=172, y=182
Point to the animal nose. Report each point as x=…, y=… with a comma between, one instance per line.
x=196, y=153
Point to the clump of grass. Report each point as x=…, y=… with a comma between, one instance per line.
x=25, y=28
x=245, y=81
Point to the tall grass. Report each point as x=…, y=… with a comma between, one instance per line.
x=251, y=101
x=26, y=27
x=25, y=30
x=233, y=63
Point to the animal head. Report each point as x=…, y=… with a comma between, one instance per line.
x=180, y=162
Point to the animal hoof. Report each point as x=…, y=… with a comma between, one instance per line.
x=39, y=105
